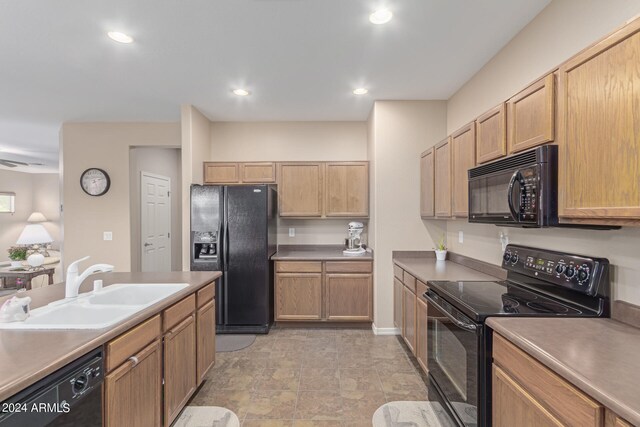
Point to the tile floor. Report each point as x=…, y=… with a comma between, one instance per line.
x=312, y=378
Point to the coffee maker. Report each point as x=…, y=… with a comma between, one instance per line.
x=352, y=242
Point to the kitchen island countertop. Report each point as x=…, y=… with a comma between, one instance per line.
x=27, y=356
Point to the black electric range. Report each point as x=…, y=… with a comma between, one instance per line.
x=539, y=283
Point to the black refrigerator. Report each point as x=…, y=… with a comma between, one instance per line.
x=233, y=230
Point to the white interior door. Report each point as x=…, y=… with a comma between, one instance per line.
x=155, y=222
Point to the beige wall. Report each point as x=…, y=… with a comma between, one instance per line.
x=559, y=31
x=106, y=146
x=195, y=137
x=34, y=193
x=293, y=141
x=399, y=132
x=159, y=161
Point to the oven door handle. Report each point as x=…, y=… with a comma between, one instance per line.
x=459, y=323
x=514, y=178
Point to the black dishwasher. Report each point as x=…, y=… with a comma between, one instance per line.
x=71, y=396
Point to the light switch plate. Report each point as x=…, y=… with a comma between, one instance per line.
x=460, y=237
x=292, y=232
x=107, y=235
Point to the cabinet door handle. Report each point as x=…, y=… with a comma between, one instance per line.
x=135, y=360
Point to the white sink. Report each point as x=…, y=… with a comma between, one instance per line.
x=97, y=310
x=73, y=316
x=134, y=294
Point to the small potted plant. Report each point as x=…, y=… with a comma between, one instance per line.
x=17, y=254
x=441, y=249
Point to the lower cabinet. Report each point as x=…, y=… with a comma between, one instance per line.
x=397, y=303
x=298, y=296
x=409, y=318
x=349, y=297
x=335, y=291
x=133, y=392
x=206, y=345
x=153, y=369
x=421, y=332
x=179, y=367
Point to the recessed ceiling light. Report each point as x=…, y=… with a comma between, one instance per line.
x=360, y=91
x=241, y=92
x=381, y=16
x=120, y=37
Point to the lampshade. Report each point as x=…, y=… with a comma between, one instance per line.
x=36, y=217
x=34, y=234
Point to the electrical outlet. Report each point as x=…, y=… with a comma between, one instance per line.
x=504, y=240
x=460, y=237
x=107, y=235
x=292, y=232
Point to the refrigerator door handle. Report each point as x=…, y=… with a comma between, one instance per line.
x=225, y=246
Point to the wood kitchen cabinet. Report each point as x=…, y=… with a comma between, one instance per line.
x=324, y=291
x=179, y=367
x=409, y=318
x=206, y=343
x=239, y=173
x=463, y=152
x=442, y=189
x=531, y=116
x=349, y=297
x=298, y=296
x=598, y=132
x=528, y=394
x=346, y=189
x=491, y=135
x=427, y=184
x=300, y=189
x=397, y=303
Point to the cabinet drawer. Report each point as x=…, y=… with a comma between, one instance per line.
x=206, y=294
x=409, y=281
x=299, y=267
x=131, y=342
x=178, y=312
x=421, y=288
x=348, y=267
x=566, y=402
x=397, y=272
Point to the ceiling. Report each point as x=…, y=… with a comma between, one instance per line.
x=300, y=59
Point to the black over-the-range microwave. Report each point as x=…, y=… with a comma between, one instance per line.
x=521, y=190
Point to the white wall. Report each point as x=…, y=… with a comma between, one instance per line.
x=562, y=29
x=106, y=146
x=398, y=132
x=159, y=161
x=293, y=141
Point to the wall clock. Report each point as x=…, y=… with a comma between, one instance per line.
x=95, y=182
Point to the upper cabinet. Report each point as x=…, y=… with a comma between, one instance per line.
x=442, y=188
x=427, y=176
x=300, y=189
x=531, y=115
x=491, y=135
x=599, y=132
x=239, y=173
x=347, y=189
x=463, y=149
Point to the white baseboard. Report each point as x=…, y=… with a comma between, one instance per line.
x=384, y=331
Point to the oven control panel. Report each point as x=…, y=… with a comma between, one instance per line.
x=576, y=272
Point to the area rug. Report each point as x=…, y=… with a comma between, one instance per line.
x=417, y=414
x=207, y=416
x=226, y=343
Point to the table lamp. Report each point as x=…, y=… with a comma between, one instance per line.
x=35, y=234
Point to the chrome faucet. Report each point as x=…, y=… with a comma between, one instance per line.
x=73, y=281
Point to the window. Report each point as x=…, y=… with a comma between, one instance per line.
x=7, y=202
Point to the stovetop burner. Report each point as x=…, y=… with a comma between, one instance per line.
x=547, y=307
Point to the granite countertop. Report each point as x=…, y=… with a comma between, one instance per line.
x=599, y=356
x=426, y=268
x=317, y=252
x=27, y=356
